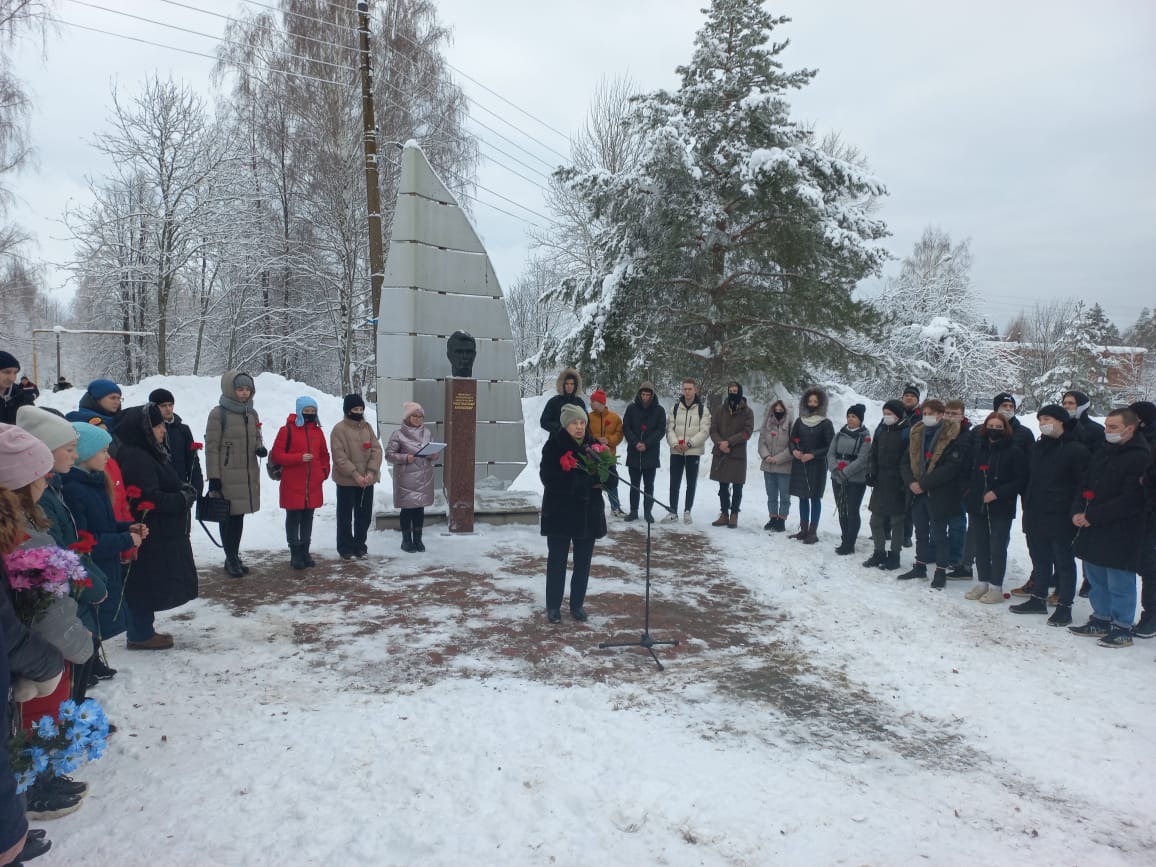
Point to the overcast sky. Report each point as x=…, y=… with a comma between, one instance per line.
x=1028, y=127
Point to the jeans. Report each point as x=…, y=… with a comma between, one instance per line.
x=1113, y=595
x=991, y=540
x=1053, y=563
x=848, y=499
x=354, y=512
x=299, y=526
x=778, y=493
x=957, y=530
x=883, y=526
x=139, y=623
x=930, y=534
x=729, y=500
x=646, y=477
x=677, y=464
x=810, y=509
x=558, y=548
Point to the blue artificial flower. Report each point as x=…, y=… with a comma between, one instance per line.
x=96, y=749
x=67, y=762
x=78, y=735
x=45, y=727
x=39, y=760
x=24, y=780
x=67, y=710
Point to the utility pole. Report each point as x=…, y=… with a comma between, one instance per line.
x=372, y=187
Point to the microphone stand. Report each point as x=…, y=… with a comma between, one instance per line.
x=645, y=641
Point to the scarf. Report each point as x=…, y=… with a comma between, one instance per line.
x=233, y=405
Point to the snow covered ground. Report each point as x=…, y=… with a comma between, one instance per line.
x=417, y=709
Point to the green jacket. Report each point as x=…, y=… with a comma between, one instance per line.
x=63, y=532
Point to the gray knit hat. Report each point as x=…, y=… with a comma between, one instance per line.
x=571, y=412
x=49, y=428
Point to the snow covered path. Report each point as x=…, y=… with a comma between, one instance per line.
x=419, y=710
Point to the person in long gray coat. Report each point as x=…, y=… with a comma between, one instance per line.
x=232, y=445
x=847, y=460
x=413, y=487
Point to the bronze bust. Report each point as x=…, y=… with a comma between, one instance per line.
x=461, y=350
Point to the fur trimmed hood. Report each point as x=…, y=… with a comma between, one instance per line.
x=566, y=374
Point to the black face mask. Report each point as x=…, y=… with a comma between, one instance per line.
x=356, y=415
x=309, y=416
x=780, y=414
x=733, y=399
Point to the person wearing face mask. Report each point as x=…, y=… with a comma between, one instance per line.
x=811, y=437
x=1087, y=431
x=998, y=473
x=1110, y=517
x=847, y=460
x=775, y=451
x=303, y=455
x=888, y=503
x=960, y=536
x=643, y=427
x=730, y=428
x=1146, y=627
x=357, y=456
x=934, y=475
x=1005, y=404
x=1056, y=470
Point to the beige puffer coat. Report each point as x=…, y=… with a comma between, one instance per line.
x=231, y=443
x=347, y=445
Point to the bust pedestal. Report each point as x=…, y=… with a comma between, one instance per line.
x=461, y=435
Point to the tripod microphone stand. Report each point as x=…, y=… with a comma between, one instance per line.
x=645, y=641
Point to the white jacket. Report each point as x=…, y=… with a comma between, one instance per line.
x=684, y=423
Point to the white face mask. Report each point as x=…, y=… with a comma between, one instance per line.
x=1009, y=414
x=1047, y=430
x=1114, y=438
x=889, y=419
x=931, y=421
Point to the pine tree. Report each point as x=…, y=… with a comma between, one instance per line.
x=733, y=247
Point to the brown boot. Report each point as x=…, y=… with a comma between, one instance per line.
x=720, y=521
x=734, y=520
x=157, y=642
x=1026, y=589
x=802, y=534
x=812, y=534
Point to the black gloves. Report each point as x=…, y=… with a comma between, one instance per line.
x=214, y=486
x=262, y=452
x=190, y=494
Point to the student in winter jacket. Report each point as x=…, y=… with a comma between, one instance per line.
x=811, y=437
x=643, y=427
x=888, y=502
x=164, y=575
x=912, y=414
x=775, y=452
x=847, y=458
x=1057, y=466
x=569, y=387
x=101, y=398
x=960, y=539
x=183, y=449
x=233, y=443
x=687, y=430
x=413, y=487
x=12, y=396
x=1110, y=516
x=301, y=452
x=573, y=515
x=935, y=477
x=1005, y=404
x=357, y=456
x=88, y=494
x=998, y=472
x=1146, y=627
x=606, y=428
x=1087, y=431
x=731, y=427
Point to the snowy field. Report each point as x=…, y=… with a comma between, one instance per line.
x=418, y=710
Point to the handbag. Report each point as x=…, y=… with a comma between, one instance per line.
x=215, y=509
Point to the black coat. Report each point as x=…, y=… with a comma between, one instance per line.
x=572, y=503
x=644, y=424
x=11, y=401
x=1021, y=436
x=1006, y=475
x=13, y=824
x=888, y=450
x=942, y=476
x=186, y=462
x=1057, y=473
x=1089, y=433
x=1116, y=512
x=552, y=412
x=164, y=575
x=810, y=479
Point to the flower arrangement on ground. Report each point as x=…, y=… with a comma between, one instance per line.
x=59, y=748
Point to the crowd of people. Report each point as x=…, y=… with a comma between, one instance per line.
x=949, y=490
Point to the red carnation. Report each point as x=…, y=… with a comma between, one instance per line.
x=84, y=543
x=259, y=425
x=132, y=492
x=568, y=461
x=842, y=465
x=927, y=455
x=983, y=468
x=197, y=446
x=145, y=506
x=367, y=445
x=866, y=439
x=1089, y=495
x=797, y=440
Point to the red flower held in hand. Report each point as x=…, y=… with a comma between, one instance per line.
x=132, y=492
x=145, y=507
x=568, y=461
x=983, y=468
x=84, y=544
x=798, y=440
x=842, y=465
x=367, y=445
x=927, y=455
x=197, y=446
x=1089, y=495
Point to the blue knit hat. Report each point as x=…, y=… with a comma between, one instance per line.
x=92, y=440
x=99, y=388
x=304, y=403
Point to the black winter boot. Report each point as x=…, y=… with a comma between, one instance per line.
x=919, y=570
x=1062, y=616
x=407, y=541
x=939, y=579
x=1034, y=605
x=233, y=567
x=846, y=548
x=876, y=560
x=892, y=562
x=417, y=544
x=296, y=558
x=306, y=556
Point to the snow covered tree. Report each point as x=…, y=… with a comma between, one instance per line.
x=734, y=245
x=1078, y=360
x=1143, y=332
x=934, y=333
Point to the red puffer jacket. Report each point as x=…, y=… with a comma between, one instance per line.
x=301, y=480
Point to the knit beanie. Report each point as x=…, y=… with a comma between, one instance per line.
x=92, y=440
x=49, y=428
x=352, y=401
x=858, y=410
x=598, y=395
x=571, y=412
x=911, y=389
x=895, y=407
x=1054, y=410
x=161, y=395
x=409, y=408
x=8, y=360
x=99, y=388
x=304, y=403
x=1146, y=410
x=154, y=413
x=23, y=458
x=1002, y=398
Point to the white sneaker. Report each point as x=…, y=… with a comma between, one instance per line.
x=669, y=518
x=617, y=513
x=992, y=596
x=686, y=519
x=977, y=592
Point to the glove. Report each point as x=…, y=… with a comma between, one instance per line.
x=838, y=476
x=214, y=486
x=23, y=689
x=190, y=494
x=262, y=452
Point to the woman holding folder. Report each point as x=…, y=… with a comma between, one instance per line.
x=412, y=462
